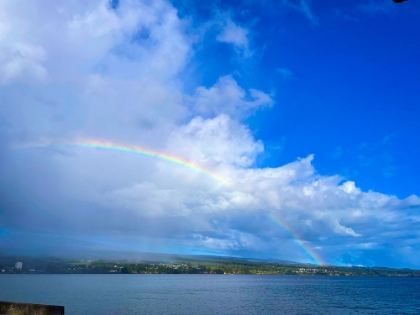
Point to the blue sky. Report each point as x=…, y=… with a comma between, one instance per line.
x=344, y=85
x=307, y=110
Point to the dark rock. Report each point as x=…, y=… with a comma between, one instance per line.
x=11, y=308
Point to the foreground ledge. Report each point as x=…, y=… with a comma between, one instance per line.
x=12, y=308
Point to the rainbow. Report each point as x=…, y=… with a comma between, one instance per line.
x=307, y=250
x=135, y=149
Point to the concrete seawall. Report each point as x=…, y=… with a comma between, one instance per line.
x=12, y=308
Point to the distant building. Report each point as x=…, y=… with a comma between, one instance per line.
x=3, y=270
x=18, y=265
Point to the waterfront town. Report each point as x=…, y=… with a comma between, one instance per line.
x=190, y=265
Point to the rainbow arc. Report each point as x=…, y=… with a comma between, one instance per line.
x=135, y=149
x=306, y=249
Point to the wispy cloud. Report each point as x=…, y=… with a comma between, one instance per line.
x=227, y=97
x=388, y=139
x=235, y=35
x=302, y=6
x=376, y=7
x=285, y=73
x=338, y=152
x=378, y=155
x=343, y=15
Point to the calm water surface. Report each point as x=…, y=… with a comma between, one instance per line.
x=215, y=294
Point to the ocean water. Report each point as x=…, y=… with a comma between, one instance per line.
x=215, y=294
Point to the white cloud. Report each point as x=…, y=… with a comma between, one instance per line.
x=235, y=35
x=350, y=188
x=215, y=142
x=227, y=97
x=92, y=35
x=90, y=71
x=21, y=57
x=343, y=230
x=22, y=61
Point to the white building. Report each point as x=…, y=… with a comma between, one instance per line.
x=18, y=265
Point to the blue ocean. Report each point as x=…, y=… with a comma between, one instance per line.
x=215, y=294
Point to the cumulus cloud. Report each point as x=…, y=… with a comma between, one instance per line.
x=220, y=141
x=86, y=70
